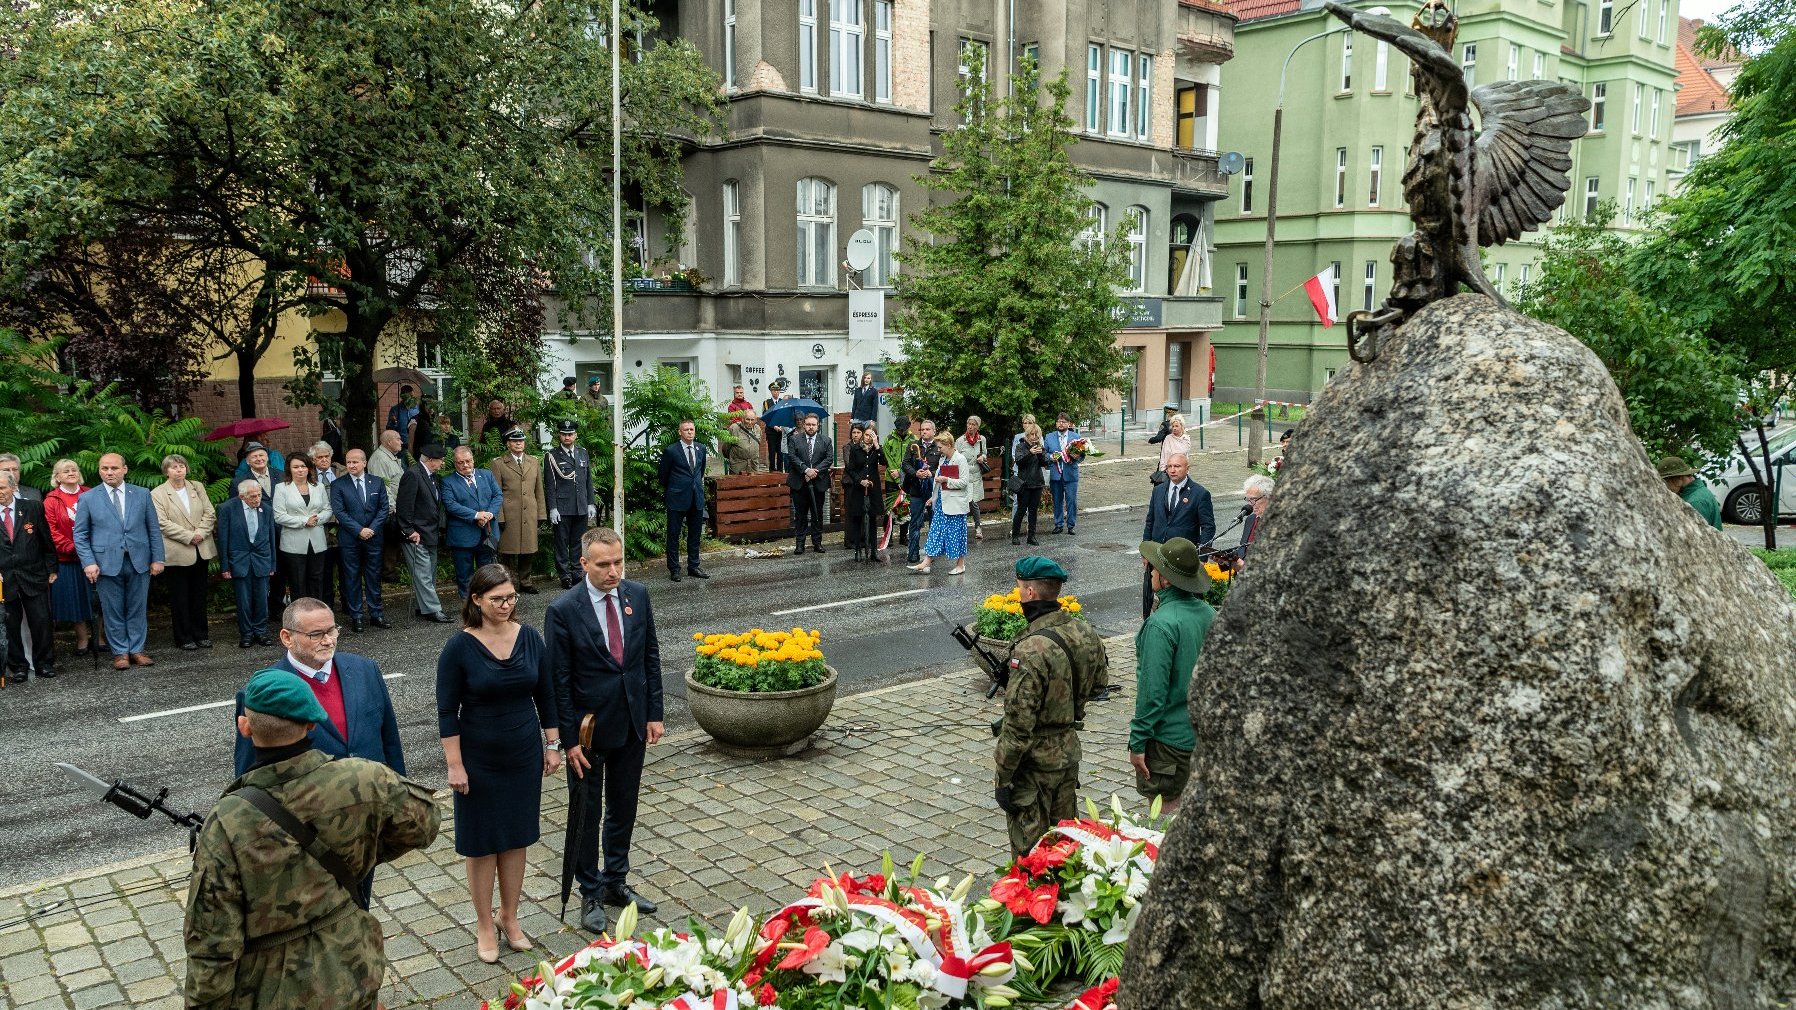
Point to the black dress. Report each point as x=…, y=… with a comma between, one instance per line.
x=498, y=708
x=858, y=503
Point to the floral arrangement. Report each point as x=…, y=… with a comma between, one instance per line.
x=679, y=971
x=1220, y=578
x=1001, y=616
x=760, y=661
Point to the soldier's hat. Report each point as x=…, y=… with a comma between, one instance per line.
x=568, y=380
x=1035, y=568
x=282, y=694
x=515, y=435
x=566, y=426
x=1179, y=563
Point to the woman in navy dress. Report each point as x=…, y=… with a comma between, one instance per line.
x=496, y=715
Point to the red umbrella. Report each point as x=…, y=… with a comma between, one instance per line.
x=246, y=428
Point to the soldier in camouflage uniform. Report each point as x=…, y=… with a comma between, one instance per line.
x=1053, y=667
x=268, y=925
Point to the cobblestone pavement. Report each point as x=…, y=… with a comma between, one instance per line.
x=905, y=769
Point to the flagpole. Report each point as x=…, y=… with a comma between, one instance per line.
x=617, y=271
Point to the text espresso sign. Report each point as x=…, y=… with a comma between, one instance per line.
x=867, y=315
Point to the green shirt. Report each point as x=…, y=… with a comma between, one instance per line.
x=1166, y=650
x=1696, y=495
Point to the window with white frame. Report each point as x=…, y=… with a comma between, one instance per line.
x=1643, y=5
x=1347, y=62
x=729, y=43
x=816, y=233
x=1375, y=172
x=1513, y=69
x=1144, y=107
x=1381, y=67
x=807, y=45
x=1639, y=100
x=1468, y=62
x=971, y=51
x=1664, y=14
x=1335, y=272
x=1240, y=291
x=1094, y=88
x=1605, y=17
x=1540, y=67
x=1521, y=281
x=1590, y=196
x=1497, y=278
x=1340, y=177
x=1137, y=248
x=1599, y=102
x=1369, y=289
x=732, y=234
x=1652, y=121
x=1627, y=207
x=1122, y=64
x=1647, y=203
x=1247, y=186
x=846, y=34
x=879, y=215
x=1097, y=224
x=882, y=50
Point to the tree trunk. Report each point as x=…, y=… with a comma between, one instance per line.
x=246, y=382
x=360, y=347
x=1769, y=515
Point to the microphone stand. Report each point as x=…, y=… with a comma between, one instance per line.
x=1208, y=547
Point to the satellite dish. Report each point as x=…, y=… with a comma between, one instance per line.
x=1230, y=162
x=862, y=247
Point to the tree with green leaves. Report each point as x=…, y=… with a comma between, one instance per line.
x=1009, y=303
x=1680, y=392
x=425, y=163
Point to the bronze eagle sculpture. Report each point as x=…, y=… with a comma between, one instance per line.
x=1465, y=188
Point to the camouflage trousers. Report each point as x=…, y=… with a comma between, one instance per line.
x=1043, y=797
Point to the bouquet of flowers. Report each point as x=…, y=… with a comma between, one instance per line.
x=758, y=660
x=1076, y=896
x=1220, y=576
x=678, y=971
x=873, y=942
x=1001, y=616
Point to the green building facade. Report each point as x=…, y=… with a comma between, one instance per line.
x=1349, y=117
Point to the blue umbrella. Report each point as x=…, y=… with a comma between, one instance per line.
x=786, y=413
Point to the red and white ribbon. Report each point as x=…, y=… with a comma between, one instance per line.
x=1095, y=833
x=722, y=999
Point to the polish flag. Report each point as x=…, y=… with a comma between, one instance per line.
x=1321, y=289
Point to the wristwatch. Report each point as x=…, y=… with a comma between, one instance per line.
x=552, y=744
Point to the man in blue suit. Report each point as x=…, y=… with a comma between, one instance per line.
x=682, y=471
x=606, y=664
x=1063, y=474
x=350, y=688
x=1178, y=508
x=246, y=557
x=473, y=501
x=359, y=501
x=119, y=541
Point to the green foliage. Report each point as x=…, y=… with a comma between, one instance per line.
x=48, y=417
x=658, y=401
x=760, y=678
x=1006, y=309
x=1679, y=391
x=1782, y=564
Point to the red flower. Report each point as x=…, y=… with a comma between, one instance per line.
x=773, y=929
x=1012, y=890
x=766, y=997
x=873, y=883
x=814, y=941
x=1098, y=997
x=1042, y=902
x=752, y=977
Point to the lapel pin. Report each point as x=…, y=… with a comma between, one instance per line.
x=629, y=611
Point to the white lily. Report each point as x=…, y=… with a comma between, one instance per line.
x=1121, y=927
x=626, y=923
x=830, y=965
x=961, y=889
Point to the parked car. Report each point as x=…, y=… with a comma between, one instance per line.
x=1742, y=498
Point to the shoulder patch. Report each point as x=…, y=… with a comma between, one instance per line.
x=1016, y=662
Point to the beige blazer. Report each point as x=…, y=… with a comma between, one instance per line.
x=181, y=521
x=290, y=515
x=955, y=497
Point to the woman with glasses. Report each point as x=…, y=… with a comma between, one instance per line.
x=496, y=715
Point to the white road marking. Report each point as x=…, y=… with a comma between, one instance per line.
x=208, y=706
x=1106, y=508
x=849, y=603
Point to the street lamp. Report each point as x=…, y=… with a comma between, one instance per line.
x=1256, y=435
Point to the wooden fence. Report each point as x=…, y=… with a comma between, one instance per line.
x=758, y=506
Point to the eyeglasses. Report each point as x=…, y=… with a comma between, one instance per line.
x=503, y=601
x=1255, y=497
x=318, y=636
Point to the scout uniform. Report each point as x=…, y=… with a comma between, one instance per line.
x=520, y=478
x=1166, y=651
x=1053, y=667
x=567, y=490
x=269, y=925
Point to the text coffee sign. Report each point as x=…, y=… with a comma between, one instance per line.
x=867, y=314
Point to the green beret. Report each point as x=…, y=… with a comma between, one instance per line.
x=284, y=695
x=1035, y=567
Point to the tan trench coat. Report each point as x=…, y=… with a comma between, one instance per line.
x=522, y=487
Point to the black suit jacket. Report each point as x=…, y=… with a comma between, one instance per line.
x=822, y=449
x=1194, y=519
x=27, y=559
x=623, y=700
x=419, y=509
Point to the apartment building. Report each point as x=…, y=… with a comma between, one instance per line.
x=1349, y=118
x=1704, y=102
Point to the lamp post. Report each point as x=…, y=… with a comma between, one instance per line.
x=1256, y=435
x=617, y=270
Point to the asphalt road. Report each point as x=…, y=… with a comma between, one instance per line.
x=96, y=718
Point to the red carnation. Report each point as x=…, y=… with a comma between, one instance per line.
x=767, y=997
x=814, y=941
x=1098, y=997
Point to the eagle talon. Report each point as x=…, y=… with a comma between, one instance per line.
x=1369, y=326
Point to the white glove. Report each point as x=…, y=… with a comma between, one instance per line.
x=592, y=513
x=554, y=517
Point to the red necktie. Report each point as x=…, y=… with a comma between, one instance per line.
x=614, y=630
x=9, y=522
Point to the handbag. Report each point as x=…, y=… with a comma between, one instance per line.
x=1158, y=478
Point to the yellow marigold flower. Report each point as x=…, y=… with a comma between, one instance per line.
x=698, y=636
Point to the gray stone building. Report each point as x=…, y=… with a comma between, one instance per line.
x=836, y=106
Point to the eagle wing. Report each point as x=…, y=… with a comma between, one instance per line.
x=1523, y=153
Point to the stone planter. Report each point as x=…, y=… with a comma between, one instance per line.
x=757, y=725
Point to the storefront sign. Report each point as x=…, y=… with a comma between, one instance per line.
x=867, y=314
x=1141, y=312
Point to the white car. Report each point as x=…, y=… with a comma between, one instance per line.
x=1742, y=498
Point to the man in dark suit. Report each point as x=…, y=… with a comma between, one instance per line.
x=9, y=462
x=808, y=455
x=119, y=542
x=28, y=567
x=606, y=664
x=682, y=472
x=362, y=723
x=246, y=557
x=359, y=501
x=420, y=518
x=1177, y=508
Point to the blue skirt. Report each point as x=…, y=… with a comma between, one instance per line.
x=70, y=597
x=947, y=535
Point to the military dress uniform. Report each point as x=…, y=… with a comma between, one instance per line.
x=1054, y=666
x=521, y=487
x=268, y=926
x=568, y=491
